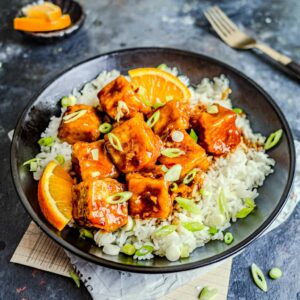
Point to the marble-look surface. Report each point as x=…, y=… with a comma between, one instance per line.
x=111, y=25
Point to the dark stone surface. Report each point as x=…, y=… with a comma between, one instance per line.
x=112, y=25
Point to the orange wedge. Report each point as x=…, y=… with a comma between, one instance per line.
x=159, y=86
x=55, y=195
x=46, y=10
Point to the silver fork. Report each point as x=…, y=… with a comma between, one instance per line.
x=236, y=38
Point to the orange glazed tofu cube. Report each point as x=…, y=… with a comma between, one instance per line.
x=121, y=90
x=150, y=197
x=79, y=123
x=91, y=209
x=218, y=133
x=91, y=160
x=173, y=115
x=193, y=155
x=140, y=147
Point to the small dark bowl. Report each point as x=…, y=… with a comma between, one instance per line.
x=73, y=8
x=265, y=117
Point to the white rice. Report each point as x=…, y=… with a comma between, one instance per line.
x=238, y=176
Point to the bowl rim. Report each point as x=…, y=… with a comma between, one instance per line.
x=150, y=269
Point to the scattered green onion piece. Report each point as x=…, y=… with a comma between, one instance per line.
x=85, y=233
x=244, y=212
x=119, y=198
x=222, y=202
x=259, y=277
x=114, y=141
x=105, y=128
x=172, y=152
x=173, y=174
x=213, y=230
x=174, y=187
x=188, y=205
x=153, y=119
x=60, y=159
x=122, y=106
x=212, y=109
x=158, y=104
x=144, y=250
x=75, y=277
x=163, y=67
x=164, y=168
x=128, y=249
x=193, y=226
x=273, y=139
x=46, y=141
x=249, y=202
x=203, y=192
x=207, y=293
x=74, y=116
x=184, y=251
x=228, y=238
x=190, y=176
x=194, y=135
x=237, y=110
x=177, y=136
x=95, y=154
x=33, y=164
x=68, y=101
x=164, y=230
x=275, y=273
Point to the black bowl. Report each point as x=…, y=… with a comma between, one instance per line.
x=265, y=117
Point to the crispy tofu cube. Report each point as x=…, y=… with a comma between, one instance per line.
x=140, y=146
x=194, y=155
x=173, y=115
x=217, y=132
x=84, y=128
x=121, y=90
x=91, y=160
x=90, y=208
x=150, y=197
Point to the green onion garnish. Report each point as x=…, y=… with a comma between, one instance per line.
x=163, y=67
x=193, y=226
x=153, y=119
x=188, y=205
x=122, y=106
x=194, y=135
x=222, y=202
x=46, y=141
x=184, y=251
x=174, y=187
x=68, y=101
x=207, y=293
x=75, y=277
x=173, y=174
x=164, y=168
x=213, y=230
x=85, y=233
x=158, y=104
x=244, y=212
x=172, y=152
x=128, y=249
x=95, y=154
x=273, y=139
x=119, y=197
x=259, y=277
x=190, y=176
x=33, y=164
x=74, y=116
x=105, y=128
x=212, y=109
x=237, y=110
x=275, y=273
x=228, y=238
x=164, y=230
x=114, y=141
x=144, y=250
x=60, y=159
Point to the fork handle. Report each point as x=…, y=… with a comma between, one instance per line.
x=294, y=67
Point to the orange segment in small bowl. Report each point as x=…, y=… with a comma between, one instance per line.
x=46, y=10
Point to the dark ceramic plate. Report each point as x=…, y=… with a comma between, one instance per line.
x=265, y=117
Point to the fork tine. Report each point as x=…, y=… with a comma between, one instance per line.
x=214, y=13
x=220, y=31
x=224, y=17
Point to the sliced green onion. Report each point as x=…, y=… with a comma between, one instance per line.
x=68, y=101
x=213, y=230
x=275, y=273
x=74, y=116
x=249, y=202
x=33, y=164
x=184, y=251
x=128, y=249
x=75, y=277
x=228, y=238
x=273, y=139
x=203, y=192
x=95, y=154
x=172, y=152
x=60, y=159
x=85, y=233
x=173, y=174
x=188, y=205
x=222, y=202
x=193, y=226
x=158, y=104
x=163, y=67
x=46, y=141
x=174, y=187
x=237, y=110
x=244, y=212
x=130, y=224
x=194, y=135
x=259, y=277
x=164, y=168
x=114, y=141
x=144, y=250
x=177, y=136
x=190, y=176
x=119, y=198
x=153, y=119
x=164, y=231
x=105, y=128
x=207, y=293
x=122, y=106
x=212, y=109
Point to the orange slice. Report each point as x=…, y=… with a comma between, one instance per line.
x=41, y=25
x=46, y=10
x=159, y=86
x=55, y=195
